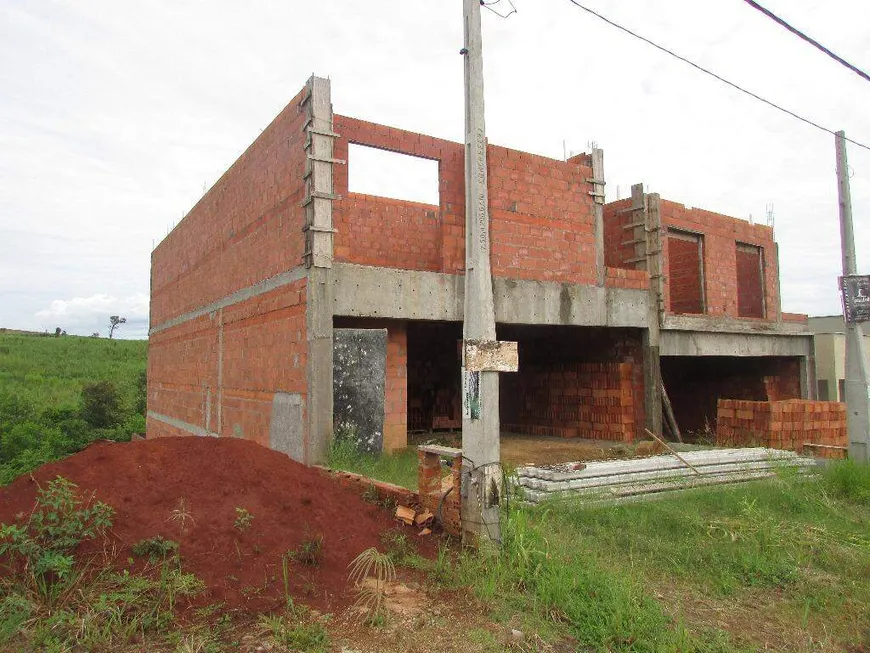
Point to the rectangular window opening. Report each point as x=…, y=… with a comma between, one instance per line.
x=686, y=271
x=823, y=390
x=395, y=175
x=750, y=281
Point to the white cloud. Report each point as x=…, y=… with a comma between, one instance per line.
x=86, y=315
x=114, y=117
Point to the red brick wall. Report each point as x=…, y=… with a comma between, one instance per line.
x=781, y=424
x=264, y=351
x=684, y=274
x=541, y=218
x=584, y=379
x=625, y=278
x=721, y=235
x=587, y=400
x=247, y=228
x=540, y=211
x=442, y=238
x=182, y=369
x=411, y=241
x=750, y=291
x=617, y=249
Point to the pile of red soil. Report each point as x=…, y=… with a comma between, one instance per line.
x=145, y=481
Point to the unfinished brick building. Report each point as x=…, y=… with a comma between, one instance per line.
x=253, y=289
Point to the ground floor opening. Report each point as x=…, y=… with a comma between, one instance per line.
x=696, y=383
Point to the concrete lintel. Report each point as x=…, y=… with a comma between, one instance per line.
x=732, y=325
x=698, y=343
x=364, y=291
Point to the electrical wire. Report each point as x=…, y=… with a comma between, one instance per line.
x=488, y=5
x=808, y=39
x=714, y=75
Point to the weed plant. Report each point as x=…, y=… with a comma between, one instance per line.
x=590, y=570
x=155, y=548
x=297, y=633
x=55, y=602
x=399, y=468
x=243, y=519
x=309, y=552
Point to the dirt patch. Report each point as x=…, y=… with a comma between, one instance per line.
x=291, y=504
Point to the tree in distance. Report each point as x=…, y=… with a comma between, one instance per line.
x=114, y=323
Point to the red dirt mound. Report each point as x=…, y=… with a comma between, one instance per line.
x=290, y=503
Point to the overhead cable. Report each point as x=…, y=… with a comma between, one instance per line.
x=714, y=75
x=808, y=39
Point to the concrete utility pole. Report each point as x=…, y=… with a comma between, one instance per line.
x=481, y=478
x=857, y=389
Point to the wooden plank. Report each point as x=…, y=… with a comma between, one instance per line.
x=669, y=412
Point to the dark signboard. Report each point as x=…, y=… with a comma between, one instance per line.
x=856, y=298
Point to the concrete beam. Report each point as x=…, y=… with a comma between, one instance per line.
x=731, y=325
x=696, y=343
x=363, y=291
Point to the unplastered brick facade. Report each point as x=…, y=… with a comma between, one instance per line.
x=540, y=212
x=711, y=264
x=247, y=289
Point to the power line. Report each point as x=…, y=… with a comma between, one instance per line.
x=488, y=5
x=712, y=74
x=808, y=39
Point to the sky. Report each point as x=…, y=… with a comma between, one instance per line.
x=116, y=117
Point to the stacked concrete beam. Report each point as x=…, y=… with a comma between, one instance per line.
x=626, y=479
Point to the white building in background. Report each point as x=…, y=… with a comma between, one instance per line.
x=829, y=344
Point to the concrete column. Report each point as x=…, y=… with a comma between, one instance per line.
x=651, y=357
x=481, y=496
x=598, y=209
x=318, y=255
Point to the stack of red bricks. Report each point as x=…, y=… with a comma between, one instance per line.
x=789, y=424
x=587, y=400
x=439, y=490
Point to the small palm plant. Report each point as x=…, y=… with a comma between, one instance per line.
x=371, y=563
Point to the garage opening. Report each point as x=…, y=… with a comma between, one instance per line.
x=695, y=385
x=572, y=382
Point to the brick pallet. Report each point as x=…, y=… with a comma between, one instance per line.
x=789, y=424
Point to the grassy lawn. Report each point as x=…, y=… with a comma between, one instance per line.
x=51, y=371
x=399, y=468
x=782, y=564
x=58, y=394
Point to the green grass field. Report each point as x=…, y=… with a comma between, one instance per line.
x=51, y=371
x=57, y=394
x=781, y=565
